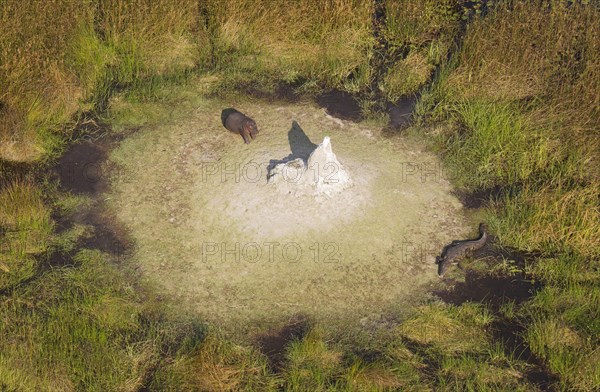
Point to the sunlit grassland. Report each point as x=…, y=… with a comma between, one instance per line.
x=60, y=58
x=37, y=91
x=25, y=231
x=64, y=57
x=509, y=104
x=522, y=115
x=419, y=36
x=519, y=110
x=67, y=326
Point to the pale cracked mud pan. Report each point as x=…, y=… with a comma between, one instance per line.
x=212, y=232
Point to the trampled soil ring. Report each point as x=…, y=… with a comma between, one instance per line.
x=216, y=236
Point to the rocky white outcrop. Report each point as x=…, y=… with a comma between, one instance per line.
x=323, y=174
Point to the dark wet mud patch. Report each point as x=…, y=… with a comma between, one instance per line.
x=83, y=167
x=401, y=113
x=104, y=233
x=84, y=170
x=495, y=290
x=109, y=236
x=80, y=169
x=274, y=342
x=483, y=285
x=341, y=105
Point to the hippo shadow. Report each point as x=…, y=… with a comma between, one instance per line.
x=300, y=145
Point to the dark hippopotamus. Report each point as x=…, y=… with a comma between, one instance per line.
x=238, y=122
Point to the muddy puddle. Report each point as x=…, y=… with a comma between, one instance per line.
x=342, y=105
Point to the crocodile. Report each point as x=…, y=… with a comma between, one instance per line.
x=458, y=250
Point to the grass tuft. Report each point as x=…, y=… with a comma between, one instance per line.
x=25, y=231
x=448, y=328
x=312, y=363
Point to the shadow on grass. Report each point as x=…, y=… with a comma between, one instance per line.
x=273, y=343
x=82, y=170
x=495, y=290
x=283, y=92
x=340, y=104
x=401, y=114
x=490, y=289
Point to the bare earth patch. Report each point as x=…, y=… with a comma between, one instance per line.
x=213, y=233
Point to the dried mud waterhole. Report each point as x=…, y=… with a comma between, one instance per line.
x=213, y=234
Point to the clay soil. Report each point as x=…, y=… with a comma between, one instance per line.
x=210, y=231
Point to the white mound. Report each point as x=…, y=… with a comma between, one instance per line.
x=323, y=175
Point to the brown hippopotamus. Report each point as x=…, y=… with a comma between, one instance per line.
x=238, y=122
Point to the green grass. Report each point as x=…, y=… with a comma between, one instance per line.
x=507, y=119
x=312, y=363
x=312, y=45
x=449, y=329
x=455, y=342
x=26, y=229
x=216, y=365
x=493, y=372
x=406, y=77
x=515, y=110
x=527, y=220
x=419, y=36
x=78, y=337
x=60, y=58
x=566, y=353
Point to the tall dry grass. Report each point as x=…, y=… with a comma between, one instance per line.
x=58, y=57
x=312, y=44
x=543, y=54
x=25, y=231
x=419, y=36
x=521, y=98
x=37, y=89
